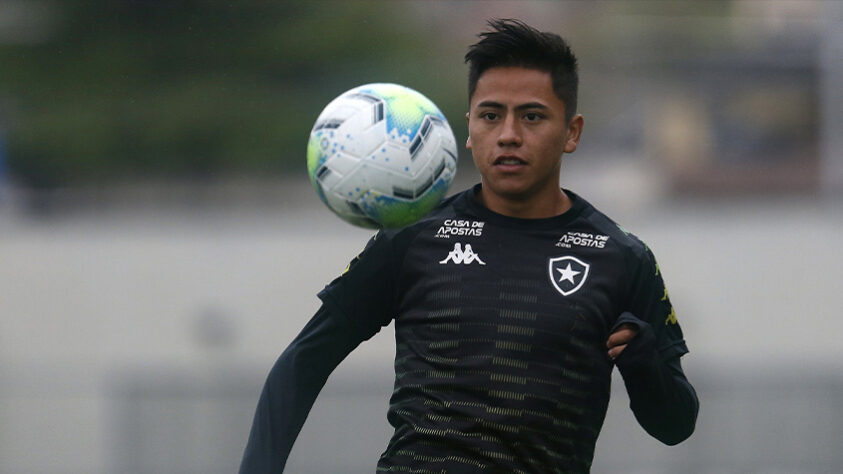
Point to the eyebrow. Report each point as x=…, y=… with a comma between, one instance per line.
x=497, y=105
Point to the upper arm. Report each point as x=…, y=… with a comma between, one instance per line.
x=366, y=291
x=648, y=300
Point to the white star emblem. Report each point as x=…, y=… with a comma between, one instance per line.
x=574, y=278
x=567, y=274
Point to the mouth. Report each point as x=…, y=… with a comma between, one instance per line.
x=509, y=160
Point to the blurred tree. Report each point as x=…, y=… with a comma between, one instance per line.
x=129, y=89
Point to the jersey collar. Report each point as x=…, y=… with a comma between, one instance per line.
x=473, y=206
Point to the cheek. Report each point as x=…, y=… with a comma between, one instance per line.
x=475, y=144
x=556, y=145
x=478, y=163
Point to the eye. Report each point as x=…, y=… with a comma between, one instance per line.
x=532, y=117
x=489, y=116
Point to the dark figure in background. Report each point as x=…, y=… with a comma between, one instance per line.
x=513, y=301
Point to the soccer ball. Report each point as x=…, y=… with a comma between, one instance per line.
x=381, y=155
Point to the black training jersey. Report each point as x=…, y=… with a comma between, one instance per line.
x=501, y=327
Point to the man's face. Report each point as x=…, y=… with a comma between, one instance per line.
x=518, y=132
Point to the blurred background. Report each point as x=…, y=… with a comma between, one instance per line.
x=160, y=243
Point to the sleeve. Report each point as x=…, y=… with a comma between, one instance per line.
x=349, y=315
x=291, y=388
x=662, y=400
x=648, y=300
x=366, y=291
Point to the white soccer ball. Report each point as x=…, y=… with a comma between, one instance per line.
x=381, y=155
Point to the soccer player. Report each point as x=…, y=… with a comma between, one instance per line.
x=513, y=301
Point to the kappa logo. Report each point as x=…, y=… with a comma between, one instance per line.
x=567, y=274
x=460, y=256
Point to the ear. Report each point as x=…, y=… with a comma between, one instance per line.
x=573, y=133
x=468, y=140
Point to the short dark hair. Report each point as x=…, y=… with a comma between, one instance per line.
x=515, y=43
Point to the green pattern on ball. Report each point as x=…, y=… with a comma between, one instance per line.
x=315, y=158
x=406, y=108
x=392, y=212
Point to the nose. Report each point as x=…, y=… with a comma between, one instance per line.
x=510, y=132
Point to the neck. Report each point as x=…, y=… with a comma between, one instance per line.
x=534, y=207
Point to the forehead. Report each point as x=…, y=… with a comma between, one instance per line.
x=515, y=85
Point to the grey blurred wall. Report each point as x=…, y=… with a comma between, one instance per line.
x=138, y=342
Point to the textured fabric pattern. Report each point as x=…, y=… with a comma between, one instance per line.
x=501, y=326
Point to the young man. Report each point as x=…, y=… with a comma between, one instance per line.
x=506, y=333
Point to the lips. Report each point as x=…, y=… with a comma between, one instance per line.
x=508, y=160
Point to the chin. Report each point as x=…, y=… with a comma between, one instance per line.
x=511, y=191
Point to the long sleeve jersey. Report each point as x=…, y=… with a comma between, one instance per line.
x=501, y=326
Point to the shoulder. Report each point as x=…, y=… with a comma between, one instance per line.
x=392, y=245
x=622, y=239
x=404, y=235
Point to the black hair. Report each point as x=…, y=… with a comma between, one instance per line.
x=515, y=43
